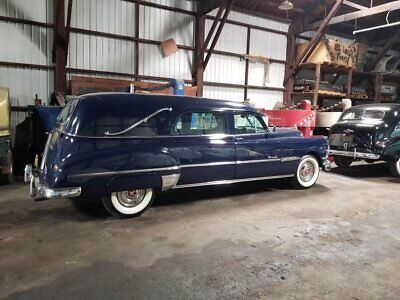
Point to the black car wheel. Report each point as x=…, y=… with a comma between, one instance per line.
x=342, y=162
x=394, y=167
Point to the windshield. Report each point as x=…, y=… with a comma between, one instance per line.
x=372, y=115
x=66, y=112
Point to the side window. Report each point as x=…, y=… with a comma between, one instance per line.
x=396, y=131
x=248, y=123
x=200, y=123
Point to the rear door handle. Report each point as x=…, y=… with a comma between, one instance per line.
x=238, y=139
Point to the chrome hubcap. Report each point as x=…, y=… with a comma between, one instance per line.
x=131, y=198
x=307, y=171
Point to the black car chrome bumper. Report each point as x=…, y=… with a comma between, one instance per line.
x=36, y=188
x=354, y=154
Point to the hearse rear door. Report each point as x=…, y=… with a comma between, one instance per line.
x=258, y=152
x=201, y=143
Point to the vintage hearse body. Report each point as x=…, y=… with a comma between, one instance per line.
x=123, y=147
x=370, y=132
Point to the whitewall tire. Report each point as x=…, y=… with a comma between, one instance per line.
x=307, y=173
x=127, y=204
x=394, y=167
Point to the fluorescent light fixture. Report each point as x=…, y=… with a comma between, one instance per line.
x=376, y=27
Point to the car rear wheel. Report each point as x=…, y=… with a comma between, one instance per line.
x=342, y=162
x=307, y=173
x=394, y=167
x=127, y=204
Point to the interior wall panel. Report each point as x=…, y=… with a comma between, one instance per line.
x=160, y=25
x=177, y=65
x=264, y=99
x=111, y=16
x=226, y=69
x=223, y=93
x=101, y=53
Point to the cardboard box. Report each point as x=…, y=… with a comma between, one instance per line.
x=168, y=47
x=331, y=52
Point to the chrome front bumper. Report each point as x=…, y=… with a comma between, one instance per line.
x=354, y=154
x=36, y=188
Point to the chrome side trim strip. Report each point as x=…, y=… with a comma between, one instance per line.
x=290, y=158
x=222, y=182
x=253, y=161
x=354, y=154
x=125, y=172
x=219, y=163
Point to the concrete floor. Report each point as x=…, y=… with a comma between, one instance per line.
x=338, y=240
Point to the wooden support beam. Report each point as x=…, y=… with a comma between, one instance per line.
x=209, y=5
x=218, y=33
x=68, y=27
x=290, y=59
x=213, y=27
x=199, y=54
x=314, y=41
x=391, y=41
x=393, y=5
x=317, y=83
x=137, y=37
x=246, y=72
x=349, y=82
x=59, y=48
x=378, y=87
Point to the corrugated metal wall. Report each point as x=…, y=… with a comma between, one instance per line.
x=32, y=44
x=228, y=69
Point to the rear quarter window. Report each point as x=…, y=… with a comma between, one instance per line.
x=99, y=119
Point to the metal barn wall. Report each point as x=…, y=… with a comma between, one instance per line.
x=228, y=69
x=32, y=44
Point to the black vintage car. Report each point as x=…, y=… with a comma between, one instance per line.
x=370, y=132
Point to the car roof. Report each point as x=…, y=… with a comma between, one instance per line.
x=163, y=100
x=392, y=106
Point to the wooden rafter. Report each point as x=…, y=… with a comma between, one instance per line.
x=314, y=41
x=358, y=14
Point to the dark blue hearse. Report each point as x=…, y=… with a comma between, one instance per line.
x=121, y=148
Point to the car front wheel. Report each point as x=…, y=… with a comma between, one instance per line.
x=307, y=173
x=127, y=204
x=394, y=167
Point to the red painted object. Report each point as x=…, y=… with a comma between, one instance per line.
x=303, y=119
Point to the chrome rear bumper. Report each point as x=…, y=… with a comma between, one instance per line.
x=36, y=188
x=354, y=154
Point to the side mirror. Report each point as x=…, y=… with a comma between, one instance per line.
x=274, y=128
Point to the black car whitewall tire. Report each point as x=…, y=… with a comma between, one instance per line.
x=128, y=203
x=307, y=172
x=394, y=167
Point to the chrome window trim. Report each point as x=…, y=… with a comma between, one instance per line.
x=221, y=182
x=211, y=136
x=144, y=120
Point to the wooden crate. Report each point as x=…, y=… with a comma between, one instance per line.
x=331, y=52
